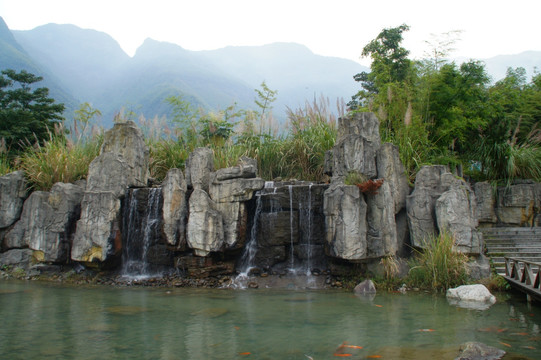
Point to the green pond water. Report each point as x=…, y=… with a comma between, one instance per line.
x=46, y=321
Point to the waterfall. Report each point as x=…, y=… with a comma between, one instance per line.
x=292, y=249
x=250, y=250
x=140, y=223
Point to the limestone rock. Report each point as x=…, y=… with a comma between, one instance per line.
x=519, y=204
x=356, y=145
x=205, y=231
x=47, y=223
x=233, y=190
x=365, y=287
x=471, y=296
x=175, y=208
x=127, y=140
x=456, y=213
x=354, y=153
x=391, y=169
x=421, y=204
x=12, y=195
x=363, y=124
x=246, y=168
x=345, y=220
x=235, y=219
x=486, y=202
x=122, y=163
x=199, y=167
x=16, y=257
x=381, y=234
x=328, y=163
x=109, y=172
x=479, y=351
x=98, y=236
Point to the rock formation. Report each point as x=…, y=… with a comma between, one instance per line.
x=363, y=225
x=442, y=202
x=122, y=163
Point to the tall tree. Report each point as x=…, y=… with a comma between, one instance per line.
x=27, y=114
x=387, y=89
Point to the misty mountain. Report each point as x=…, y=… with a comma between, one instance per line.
x=14, y=56
x=91, y=67
x=497, y=66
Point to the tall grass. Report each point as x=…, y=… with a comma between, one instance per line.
x=439, y=266
x=58, y=160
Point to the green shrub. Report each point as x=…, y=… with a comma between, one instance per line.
x=59, y=160
x=439, y=266
x=166, y=154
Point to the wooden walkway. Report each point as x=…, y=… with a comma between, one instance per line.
x=524, y=276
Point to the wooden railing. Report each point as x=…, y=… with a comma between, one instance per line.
x=524, y=273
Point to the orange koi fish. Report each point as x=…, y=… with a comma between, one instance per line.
x=426, y=330
x=245, y=353
x=236, y=327
x=342, y=355
x=374, y=357
x=378, y=305
x=521, y=334
x=529, y=347
x=504, y=344
x=352, y=346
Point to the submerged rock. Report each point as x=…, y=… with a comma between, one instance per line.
x=365, y=287
x=479, y=351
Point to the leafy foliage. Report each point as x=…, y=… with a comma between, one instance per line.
x=26, y=114
x=439, y=266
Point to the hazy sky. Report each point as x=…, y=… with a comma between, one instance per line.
x=331, y=27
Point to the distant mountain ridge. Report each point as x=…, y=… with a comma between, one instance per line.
x=81, y=65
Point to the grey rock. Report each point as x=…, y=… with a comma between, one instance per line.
x=421, y=204
x=13, y=192
x=235, y=189
x=479, y=351
x=328, y=162
x=17, y=257
x=486, y=202
x=456, y=213
x=365, y=287
x=519, y=204
x=205, y=231
x=122, y=163
x=363, y=124
x=47, y=223
x=391, y=169
x=474, y=296
x=345, y=220
x=235, y=219
x=199, y=167
x=479, y=268
x=175, y=208
x=127, y=140
x=109, y=172
x=381, y=234
x=246, y=168
x=98, y=237
x=357, y=143
x=354, y=153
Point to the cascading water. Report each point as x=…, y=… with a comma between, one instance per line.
x=286, y=236
x=291, y=237
x=140, y=224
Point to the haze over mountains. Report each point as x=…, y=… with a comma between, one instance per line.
x=80, y=65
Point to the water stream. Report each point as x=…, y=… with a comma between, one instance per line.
x=141, y=220
x=48, y=321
